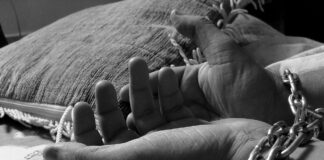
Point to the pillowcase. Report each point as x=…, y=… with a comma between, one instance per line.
x=58, y=65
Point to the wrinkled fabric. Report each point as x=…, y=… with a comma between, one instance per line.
x=60, y=63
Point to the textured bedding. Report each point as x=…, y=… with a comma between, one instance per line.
x=12, y=133
x=20, y=143
x=59, y=63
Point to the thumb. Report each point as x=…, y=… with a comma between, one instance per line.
x=205, y=35
x=62, y=151
x=78, y=151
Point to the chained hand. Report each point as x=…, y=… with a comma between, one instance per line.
x=228, y=139
x=174, y=133
x=229, y=84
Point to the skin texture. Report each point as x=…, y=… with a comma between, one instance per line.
x=173, y=109
x=229, y=84
x=239, y=78
x=176, y=136
x=172, y=135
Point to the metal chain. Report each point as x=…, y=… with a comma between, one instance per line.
x=281, y=140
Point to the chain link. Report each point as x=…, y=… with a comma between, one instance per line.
x=281, y=140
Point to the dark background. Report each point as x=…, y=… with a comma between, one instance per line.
x=3, y=40
x=292, y=17
x=295, y=17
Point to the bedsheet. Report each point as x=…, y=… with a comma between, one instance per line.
x=19, y=142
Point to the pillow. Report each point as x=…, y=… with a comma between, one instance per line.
x=58, y=65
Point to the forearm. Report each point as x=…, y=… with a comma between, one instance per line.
x=312, y=151
x=310, y=74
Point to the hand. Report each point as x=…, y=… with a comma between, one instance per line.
x=261, y=42
x=228, y=139
x=229, y=84
x=264, y=44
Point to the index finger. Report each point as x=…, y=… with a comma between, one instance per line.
x=146, y=115
x=153, y=81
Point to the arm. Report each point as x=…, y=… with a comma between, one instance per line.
x=312, y=151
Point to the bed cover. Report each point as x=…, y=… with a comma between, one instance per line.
x=19, y=142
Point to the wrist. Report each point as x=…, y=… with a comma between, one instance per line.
x=311, y=151
x=281, y=106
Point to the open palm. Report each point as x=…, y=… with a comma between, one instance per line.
x=173, y=133
x=229, y=84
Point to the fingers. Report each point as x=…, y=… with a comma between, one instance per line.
x=130, y=122
x=171, y=100
x=111, y=119
x=153, y=81
x=140, y=92
x=205, y=34
x=200, y=56
x=195, y=55
x=185, y=24
x=124, y=93
x=147, y=117
x=57, y=153
x=84, y=125
x=70, y=151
